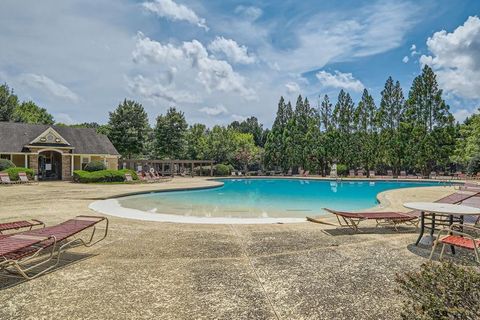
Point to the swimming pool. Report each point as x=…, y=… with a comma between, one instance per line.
x=280, y=199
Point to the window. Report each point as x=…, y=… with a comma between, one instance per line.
x=85, y=160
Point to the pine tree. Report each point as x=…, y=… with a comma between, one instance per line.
x=366, y=132
x=391, y=111
x=343, y=116
x=432, y=137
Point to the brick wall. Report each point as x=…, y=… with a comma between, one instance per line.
x=33, y=162
x=66, y=167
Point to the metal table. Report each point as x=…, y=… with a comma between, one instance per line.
x=439, y=215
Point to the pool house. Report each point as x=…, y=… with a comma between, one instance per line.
x=54, y=152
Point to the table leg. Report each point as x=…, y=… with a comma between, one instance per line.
x=422, y=227
x=432, y=231
x=450, y=217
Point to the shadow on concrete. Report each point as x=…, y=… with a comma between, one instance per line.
x=368, y=230
x=461, y=256
x=67, y=259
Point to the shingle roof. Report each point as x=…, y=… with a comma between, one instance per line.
x=14, y=136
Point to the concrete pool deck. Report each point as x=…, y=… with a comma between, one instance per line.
x=158, y=270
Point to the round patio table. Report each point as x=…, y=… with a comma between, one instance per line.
x=439, y=214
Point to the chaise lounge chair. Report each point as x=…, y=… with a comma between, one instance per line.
x=351, y=173
x=21, y=248
x=21, y=224
x=5, y=179
x=128, y=177
x=353, y=219
x=23, y=177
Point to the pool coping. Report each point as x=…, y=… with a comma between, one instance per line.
x=111, y=206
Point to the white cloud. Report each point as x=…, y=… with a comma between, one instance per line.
x=462, y=114
x=43, y=82
x=455, y=57
x=173, y=11
x=214, y=111
x=413, y=50
x=249, y=12
x=63, y=118
x=343, y=36
x=237, y=117
x=339, y=80
x=169, y=72
x=405, y=59
x=292, y=87
x=232, y=50
x=154, y=90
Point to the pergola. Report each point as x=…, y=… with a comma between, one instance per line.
x=167, y=167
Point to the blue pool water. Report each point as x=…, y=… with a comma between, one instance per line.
x=261, y=198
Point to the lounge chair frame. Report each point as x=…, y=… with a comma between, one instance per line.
x=16, y=268
x=352, y=220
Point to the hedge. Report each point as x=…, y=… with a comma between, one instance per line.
x=440, y=291
x=5, y=164
x=223, y=170
x=13, y=173
x=102, y=176
x=95, y=165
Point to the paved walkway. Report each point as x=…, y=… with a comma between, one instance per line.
x=153, y=270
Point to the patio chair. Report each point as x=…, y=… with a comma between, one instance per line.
x=21, y=248
x=306, y=173
x=389, y=174
x=21, y=224
x=351, y=173
x=433, y=175
x=360, y=174
x=456, y=236
x=5, y=179
x=23, y=177
x=233, y=173
x=128, y=177
x=403, y=174
x=371, y=173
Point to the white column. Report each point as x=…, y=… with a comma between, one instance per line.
x=26, y=161
x=73, y=163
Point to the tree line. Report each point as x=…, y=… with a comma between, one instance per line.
x=416, y=133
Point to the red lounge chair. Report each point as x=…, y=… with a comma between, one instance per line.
x=353, y=219
x=16, y=225
x=454, y=237
x=16, y=251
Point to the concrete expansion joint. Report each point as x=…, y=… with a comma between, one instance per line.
x=255, y=272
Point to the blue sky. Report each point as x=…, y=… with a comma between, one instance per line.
x=220, y=61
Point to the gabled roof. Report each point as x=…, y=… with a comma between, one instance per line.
x=15, y=136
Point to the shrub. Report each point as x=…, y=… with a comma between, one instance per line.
x=83, y=176
x=96, y=165
x=13, y=173
x=440, y=291
x=342, y=169
x=222, y=170
x=474, y=165
x=5, y=164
